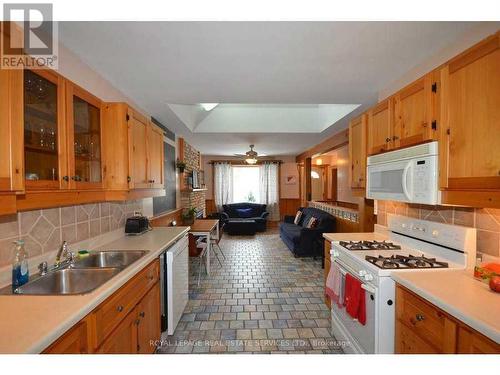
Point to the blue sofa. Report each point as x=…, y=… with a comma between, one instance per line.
x=306, y=242
x=250, y=211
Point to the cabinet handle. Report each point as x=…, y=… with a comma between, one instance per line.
x=387, y=140
x=137, y=322
x=119, y=308
x=395, y=138
x=142, y=314
x=65, y=178
x=76, y=178
x=129, y=178
x=419, y=317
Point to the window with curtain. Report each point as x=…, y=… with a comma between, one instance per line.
x=246, y=184
x=254, y=184
x=223, y=184
x=269, y=189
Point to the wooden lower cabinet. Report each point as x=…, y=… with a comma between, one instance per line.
x=107, y=330
x=422, y=328
x=149, y=324
x=75, y=341
x=123, y=340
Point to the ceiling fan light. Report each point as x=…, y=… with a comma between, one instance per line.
x=209, y=106
x=251, y=161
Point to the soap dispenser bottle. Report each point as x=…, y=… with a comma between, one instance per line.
x=20, y=271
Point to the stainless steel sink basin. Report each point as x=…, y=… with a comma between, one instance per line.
x=119, y=259
x=68, y=281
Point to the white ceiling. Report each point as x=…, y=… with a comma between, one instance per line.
x=160, y=63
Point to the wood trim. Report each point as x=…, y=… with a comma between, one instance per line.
x=307, y=177
x=334, y=142
x=484, y=199
x=8, y=204
x=180, y=149
x=482, y=183
x=412, y=88
x=474, y=53
x=382, y=106
x=165, y=220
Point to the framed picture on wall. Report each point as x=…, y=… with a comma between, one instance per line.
x=196, y=182
x=290, y=180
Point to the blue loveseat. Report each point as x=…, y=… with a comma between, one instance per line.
x=302, y=241
x=251, y=211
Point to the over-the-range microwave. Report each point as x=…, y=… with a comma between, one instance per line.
x=406, y=175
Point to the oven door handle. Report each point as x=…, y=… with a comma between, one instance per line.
x=346, y=269
x=368, y=288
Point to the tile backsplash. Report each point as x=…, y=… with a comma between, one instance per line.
x=485, y=220
x=44, y=230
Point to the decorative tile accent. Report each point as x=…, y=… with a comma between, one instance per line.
x=68, y=215
x=486, y=220
x=44, y=230
x=261, y=300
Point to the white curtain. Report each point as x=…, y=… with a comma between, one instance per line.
x=223, y=184
x=269, y=189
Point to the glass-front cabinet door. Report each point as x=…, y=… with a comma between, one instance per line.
x=84, y=138
x=44, y=133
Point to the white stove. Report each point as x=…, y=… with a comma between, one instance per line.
x=411, y=245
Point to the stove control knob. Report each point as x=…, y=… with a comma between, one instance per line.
x=435, y=233
x=335, y=253
x=368, y=277
x=362, y=273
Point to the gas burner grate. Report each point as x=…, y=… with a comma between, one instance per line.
x=401, y=261
x=369, y=245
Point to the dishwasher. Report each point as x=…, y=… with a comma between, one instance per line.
x=174, y=284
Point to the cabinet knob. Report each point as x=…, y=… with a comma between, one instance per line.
x=119, y=308
x=151, y=277
x=419, y=317
x=65, y=178
x=395, y=138
x=129, y=178
x=387, y=139
x=142, y=314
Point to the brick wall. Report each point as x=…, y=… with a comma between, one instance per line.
x=485, y=220
x=196, y=199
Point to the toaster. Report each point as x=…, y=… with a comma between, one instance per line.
x=137, y=225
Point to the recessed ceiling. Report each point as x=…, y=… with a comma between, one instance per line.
x=261, y=118
x=155, y=63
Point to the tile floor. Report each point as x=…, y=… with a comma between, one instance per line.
x=262, y=300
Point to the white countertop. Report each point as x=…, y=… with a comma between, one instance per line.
x=29, y=324
x=460, y=295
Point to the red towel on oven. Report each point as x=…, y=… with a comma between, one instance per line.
x=354, y=300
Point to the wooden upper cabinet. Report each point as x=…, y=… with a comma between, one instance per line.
x=415, y=120
x=357, y=151
x=115, y=146
x=11, y=131
x=155, y=156
x=45, y=143
x=470, y=111
x=84, y=138
x=138, y=154
x=380, y=120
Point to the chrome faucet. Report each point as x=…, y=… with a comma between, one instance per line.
x=64, y=252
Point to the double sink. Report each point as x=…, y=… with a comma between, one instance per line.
x=83, y=275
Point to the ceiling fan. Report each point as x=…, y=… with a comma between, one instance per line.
x=250, y=156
